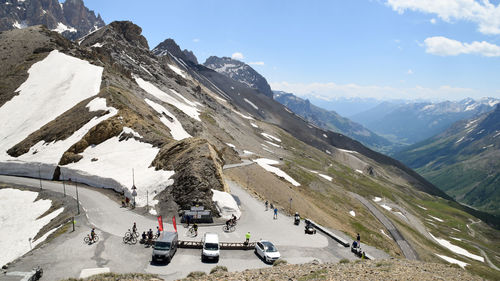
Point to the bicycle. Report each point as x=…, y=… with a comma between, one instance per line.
x=129, y=239
x=36, y=274
x=229, y=228
x=89, y=240
x=192, y=232
x=132, y=233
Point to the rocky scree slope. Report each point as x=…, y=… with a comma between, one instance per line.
x=463, y=161
x=240, y=72
x=330, y=120
x=70, y=18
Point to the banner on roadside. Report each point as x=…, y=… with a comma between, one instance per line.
x=160, y=223
x=175, y=225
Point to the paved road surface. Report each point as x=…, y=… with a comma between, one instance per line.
x=67, y=255
x=406, y=248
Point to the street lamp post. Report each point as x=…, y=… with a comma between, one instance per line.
x=134, y=189
x=290, y=205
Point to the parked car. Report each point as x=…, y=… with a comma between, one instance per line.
x=267, y=251
x=211, y=249
x=165, y=247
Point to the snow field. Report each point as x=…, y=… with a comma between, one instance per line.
x=226, y=204
x=254, y=125
x=452, y=260
x=176, y=129
x=328, y=178
x=51, y=153
x=386, y=207
x=112, y=167
x=230, y=145
x=456, y=249
x=377, y=199
x=352, y=213
x=177, y=70
x=19, y=220
x=61, y=27
x=266, y=164
x=54, y=85
x=273, y=144
x=251, y=103
x=184, y=105
x=438, y=219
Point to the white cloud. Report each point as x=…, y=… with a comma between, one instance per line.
x=330, y=91
x=196, y=40
x=237, y=56
x=443, y=46
x=485, y=14
x=433, y=21
x=256, y=63
x=409, y=72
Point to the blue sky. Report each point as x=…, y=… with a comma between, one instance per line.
x=401, y=49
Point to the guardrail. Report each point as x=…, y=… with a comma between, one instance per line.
x=335, y=237
x=223, y=245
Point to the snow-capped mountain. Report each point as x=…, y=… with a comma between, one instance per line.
x=464, y=160
x=240, y=72
x=409, y=123
x=170, y=47
x=70, y=18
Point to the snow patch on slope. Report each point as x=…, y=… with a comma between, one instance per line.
x=54, y=85
x=112, y=167
x=266, y=164
x=176, y=129
x=18, y=227
x=189, y=108
x=456, y=249
x=177, y=70
x=452, y=260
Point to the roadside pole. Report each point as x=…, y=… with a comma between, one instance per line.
x=77, y=201
x=64, y=186
x=40, y=176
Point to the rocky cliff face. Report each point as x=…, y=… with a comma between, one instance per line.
x=240, y=72
x=71, y=18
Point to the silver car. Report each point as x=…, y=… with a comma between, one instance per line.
x=267, y=251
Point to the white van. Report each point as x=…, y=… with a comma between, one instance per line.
x=211, y=247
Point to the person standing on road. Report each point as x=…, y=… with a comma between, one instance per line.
x=267, y=204
x=275, y=213
x=358, y=238
x=195, y=228
x=134, y=228
x=188, y=220
x=247, y=238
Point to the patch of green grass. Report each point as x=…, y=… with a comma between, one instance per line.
x=219, y=268
x=205, y=116
x=196, y=274
x=344, y=261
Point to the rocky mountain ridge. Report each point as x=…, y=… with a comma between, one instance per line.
x=240, y=72
x=70, y=18
x=170, y=47
x=330, y=120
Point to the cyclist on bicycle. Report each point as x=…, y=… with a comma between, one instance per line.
x=92, y=234
x=229, y=222
x=134, y=229
x=158, y=231
x=233, y=219
x=195, y=228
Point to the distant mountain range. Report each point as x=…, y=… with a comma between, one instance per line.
x=240, y=72
x=330, y=120
x=71, y=18
x=410, y=123
x=463, y=161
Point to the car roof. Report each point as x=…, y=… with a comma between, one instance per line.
x=167, y=236
x=211, y=237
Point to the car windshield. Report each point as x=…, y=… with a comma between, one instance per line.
x=162, y=246
x=269, y=247
x=211, y=246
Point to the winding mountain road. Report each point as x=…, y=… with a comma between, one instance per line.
x=405, y=247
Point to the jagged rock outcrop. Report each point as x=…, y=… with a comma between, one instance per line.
x=198, y=170
x=71, y=18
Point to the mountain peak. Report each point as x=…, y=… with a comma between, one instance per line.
x=170, y=46
x=240, y=72
x=71, y=18
x=131, y=32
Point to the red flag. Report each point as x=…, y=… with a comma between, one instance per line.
x=175, y=225
x=160, y=223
